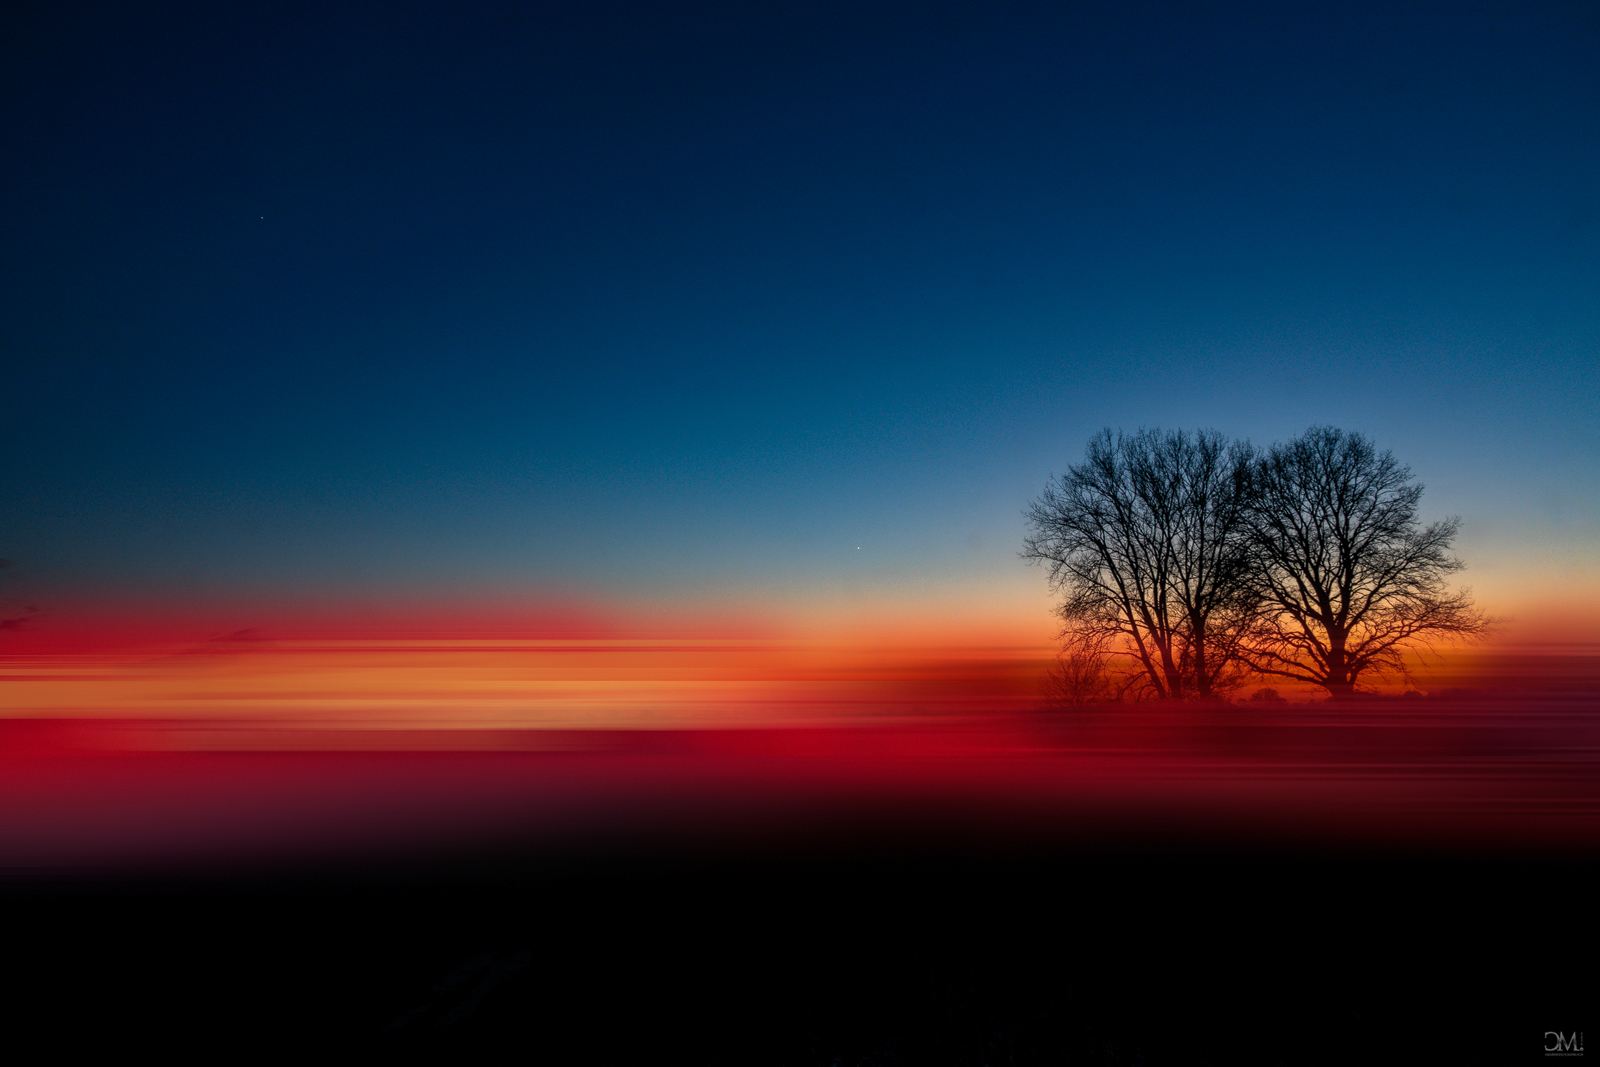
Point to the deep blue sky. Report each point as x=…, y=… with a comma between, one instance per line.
x=691, y=300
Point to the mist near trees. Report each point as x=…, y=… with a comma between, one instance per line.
x=1190, y=565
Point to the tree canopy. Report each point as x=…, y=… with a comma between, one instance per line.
x=1146, y=541
x=1200, y=562
x=1344, y=574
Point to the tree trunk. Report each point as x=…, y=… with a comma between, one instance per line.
x=1339, y=684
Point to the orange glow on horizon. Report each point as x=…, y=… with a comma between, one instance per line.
x=561, y=667
x=330, y=670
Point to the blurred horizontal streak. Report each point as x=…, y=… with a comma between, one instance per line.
x=319, y=748
x=518, y=684
x=1488, y=773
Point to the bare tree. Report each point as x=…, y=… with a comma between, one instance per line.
x=1145, y=539
x=1346, y=577
x=1079, y=678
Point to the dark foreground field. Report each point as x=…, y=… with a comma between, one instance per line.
x=1154, y=892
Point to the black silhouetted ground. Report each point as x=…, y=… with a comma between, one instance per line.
x=882, y=952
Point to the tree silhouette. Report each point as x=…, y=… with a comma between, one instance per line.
x=1343, y=575
x=1078, y=678
x=1146, y=540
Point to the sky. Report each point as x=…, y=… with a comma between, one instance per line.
x=771, y=312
